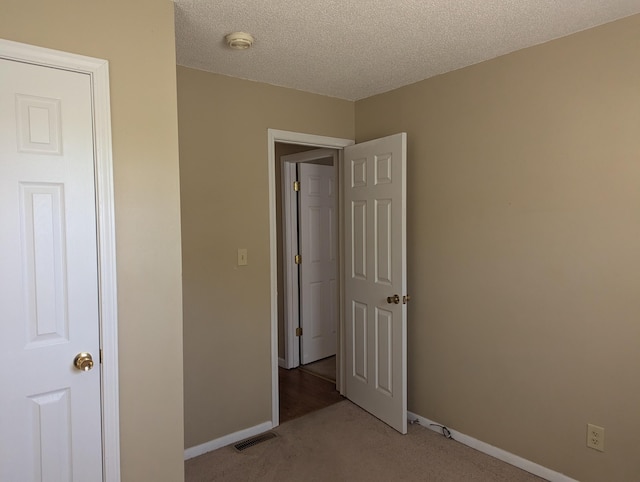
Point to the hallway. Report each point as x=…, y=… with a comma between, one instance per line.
x=302, y=393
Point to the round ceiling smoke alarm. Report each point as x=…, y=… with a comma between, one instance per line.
x=239, y=40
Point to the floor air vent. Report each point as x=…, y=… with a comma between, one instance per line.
x=250, y=442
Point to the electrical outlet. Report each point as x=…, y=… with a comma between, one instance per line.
x=595, y=437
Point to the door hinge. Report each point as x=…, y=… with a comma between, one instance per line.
x=298, y=331
x=296, y=186
x=298, y=259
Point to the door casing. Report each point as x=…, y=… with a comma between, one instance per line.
x=310, y=140
x=98, y=71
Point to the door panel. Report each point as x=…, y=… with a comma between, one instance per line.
x=375, y=261
x=319, y=268
x=50, y=414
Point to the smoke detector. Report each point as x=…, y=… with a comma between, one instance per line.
x=239, y=40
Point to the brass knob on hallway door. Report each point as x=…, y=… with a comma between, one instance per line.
x=83, y=361
x=395, y=299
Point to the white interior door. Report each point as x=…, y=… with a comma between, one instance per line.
x=50, y=420
x=319, y=268
x=375, y=278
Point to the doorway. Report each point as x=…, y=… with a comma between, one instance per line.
x=299, y=143
x=371, y=356
x=308, y=287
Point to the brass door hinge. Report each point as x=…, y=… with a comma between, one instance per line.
x=298, y=331
x=296, y=186
x=298, y=259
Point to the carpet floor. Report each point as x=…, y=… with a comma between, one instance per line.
x=344, y=443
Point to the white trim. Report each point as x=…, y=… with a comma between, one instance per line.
x=310, y=156
x=282, y=363
x=226, y=440
x=98, y=71
x=273, y=136
x=302, y=139
x=340, y=349
x=290, y=271
x=340, y=356
x=508, y=457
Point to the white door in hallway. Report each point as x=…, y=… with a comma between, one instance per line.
x=376, y=278
x=50, y=410
x=319, y=268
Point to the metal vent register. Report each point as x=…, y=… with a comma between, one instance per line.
x=250, y=442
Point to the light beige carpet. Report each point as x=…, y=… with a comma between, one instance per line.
x=344, y=443
x=325, y=368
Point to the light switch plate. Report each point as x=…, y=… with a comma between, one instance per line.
x=243, y=259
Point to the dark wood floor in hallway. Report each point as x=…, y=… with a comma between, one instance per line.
x=302, y=393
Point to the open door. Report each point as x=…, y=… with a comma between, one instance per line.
x=319, y=266
x=375, y=295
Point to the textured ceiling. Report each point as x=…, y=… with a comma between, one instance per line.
x=353, y=49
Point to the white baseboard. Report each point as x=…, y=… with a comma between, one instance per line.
x=495, y=452
x=229, y=439
x=282, y=363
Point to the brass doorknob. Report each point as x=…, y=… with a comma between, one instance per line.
x=83, y=361
x=393, y=299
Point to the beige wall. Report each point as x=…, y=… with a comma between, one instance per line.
x=524, y=248
x=223, y=126
x=137, y=39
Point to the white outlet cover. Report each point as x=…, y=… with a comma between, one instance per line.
x=595, y=437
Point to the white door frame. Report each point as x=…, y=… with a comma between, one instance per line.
x=98, y=71
x=290, y=248
x=311, y=140
x=290, y=243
